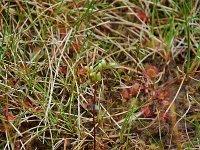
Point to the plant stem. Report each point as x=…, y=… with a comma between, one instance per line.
x=188, y=42
x=94, y=114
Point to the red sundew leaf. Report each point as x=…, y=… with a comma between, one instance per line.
x=125, y=94
x=82, y=71
x=8, y=115
x=163, y=117
x=151, y=71
x=145, y=42
x=146, y=111
x=165, y=104
x=63, y=69
x=135, y=89
x=11, y=117
x=162, y=94
x=27, y=104
x=76, y=47
x=24, y=68
x=141, y=15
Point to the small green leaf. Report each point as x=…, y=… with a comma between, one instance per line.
x=98, y=76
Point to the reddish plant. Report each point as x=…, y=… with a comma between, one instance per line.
x=24, y=68
x=8, y=115
x=141, y=14
x=63, y=69
x=128, y=93
x=163, y=117
x=135, y=88
x=162, y=94
x=82, y=71
x=146, y=111
x=125, y=94
x=151, y=71
x=27, y=104
x=165, y=104
x=74, y=49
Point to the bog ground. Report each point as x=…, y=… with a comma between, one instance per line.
x=99, y=74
